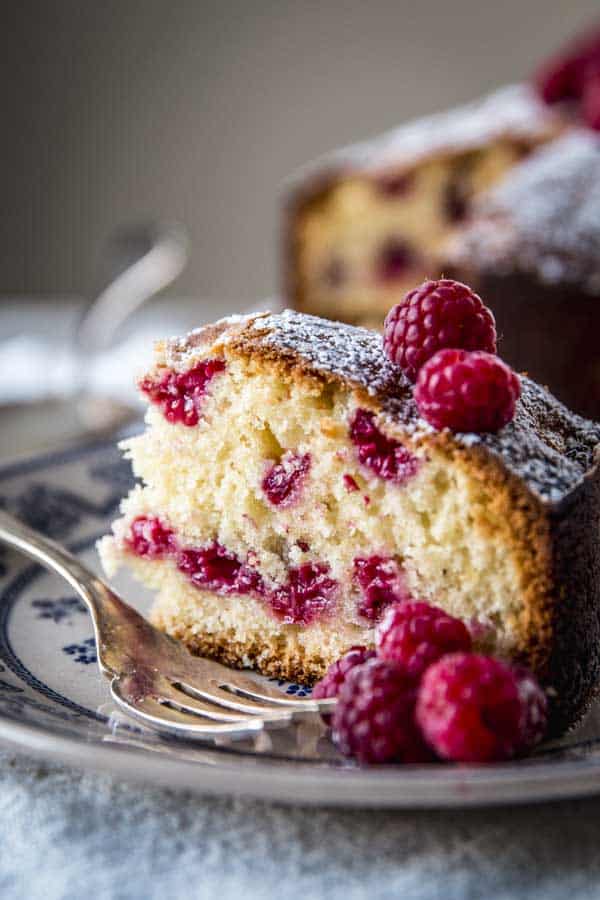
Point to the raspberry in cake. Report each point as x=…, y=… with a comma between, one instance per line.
x=262, y=553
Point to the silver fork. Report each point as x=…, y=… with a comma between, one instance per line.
x=152, y=676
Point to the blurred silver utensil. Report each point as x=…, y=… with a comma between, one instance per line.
x=140, y=260
x=153, y=677
x=136, y=263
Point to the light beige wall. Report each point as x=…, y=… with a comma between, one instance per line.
x=197, y=110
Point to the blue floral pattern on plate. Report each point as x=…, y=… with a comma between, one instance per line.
x=290, y=687
x=62, y=609
x=84, y=652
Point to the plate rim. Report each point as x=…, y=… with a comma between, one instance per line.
x=298, y=782
x=309, y=783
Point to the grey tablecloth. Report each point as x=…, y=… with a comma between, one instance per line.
x=66, y=834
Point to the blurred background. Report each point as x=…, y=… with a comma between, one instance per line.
x=196, y=111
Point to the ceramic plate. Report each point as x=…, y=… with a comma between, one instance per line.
x=55, y=703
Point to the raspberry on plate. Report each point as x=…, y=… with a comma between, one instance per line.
x=474, y=708
x=374, y=720
x=336, y=674
x=466, y=391
x=590, y=101
x=535, y=710
x=415, y=635
x=434, y=316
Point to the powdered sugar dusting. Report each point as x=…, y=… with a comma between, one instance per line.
x=546, y=445
x=544, y=218
x=333, y=348
x=513, y=110
x=181, y=352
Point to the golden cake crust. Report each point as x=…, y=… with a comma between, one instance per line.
x=269, y=656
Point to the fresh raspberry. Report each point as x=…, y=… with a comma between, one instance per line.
x=467, y=391
x=151, y=538
x=564, y=76
x=336, y=674
x=415, y=635
x=535, y=710
x=436, y=315
x=590, y=101
x=373, y=719
x=474, y=708
x=559, y=79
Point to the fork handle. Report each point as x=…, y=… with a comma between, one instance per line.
x=112, y=618
x=45, y=551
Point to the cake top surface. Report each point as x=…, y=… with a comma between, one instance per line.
x=514, y=110
x=544, y=218
x=546, y=445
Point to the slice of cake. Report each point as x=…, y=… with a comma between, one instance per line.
x=532, y=249
x=291, y=492
x=366, y=223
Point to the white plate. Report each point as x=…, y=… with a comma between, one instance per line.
x=55, y=703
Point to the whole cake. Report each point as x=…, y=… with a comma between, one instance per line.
x=502, y=193
x=532, y=248
x=366, y=223
x=291, y=492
